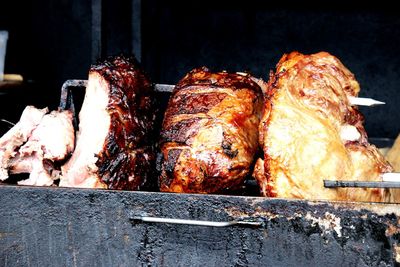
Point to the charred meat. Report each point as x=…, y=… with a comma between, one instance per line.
x=116, y=124
x=209, y=135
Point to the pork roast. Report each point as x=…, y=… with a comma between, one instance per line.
x=37, y=145
x=116, y=129
x=209, y=134
x=310, y=132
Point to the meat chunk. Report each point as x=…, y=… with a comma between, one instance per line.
x=114, y=143
x=18, y=135
x=310, y=132
x=210, y=132
x=36, y=144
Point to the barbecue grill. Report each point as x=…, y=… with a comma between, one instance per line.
x=50, y=226
x=79, y=227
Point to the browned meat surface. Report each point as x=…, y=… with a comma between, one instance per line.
x=210, y=132
x=114, y=142
x=393, y=156
x=309, y=132
x=35, y=144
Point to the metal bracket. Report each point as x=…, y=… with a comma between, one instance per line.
x=66, y=99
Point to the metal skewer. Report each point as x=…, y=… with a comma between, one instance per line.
x=362, y=101
x=9, y=122
x=389, y=180
x=355, y=101
x=361, y=184
x=164, y=87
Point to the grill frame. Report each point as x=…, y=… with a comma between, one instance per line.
x=83, y=227
x=52, y=226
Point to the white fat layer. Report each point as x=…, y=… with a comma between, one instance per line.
x=349, y=133
x=55, y=134
x=93, y=128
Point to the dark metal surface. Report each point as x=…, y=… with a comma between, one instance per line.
x=83, y=227
x=97, y=29
x=167, y=88
x=137, y=29
x=67, y=99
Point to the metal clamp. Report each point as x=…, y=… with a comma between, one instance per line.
x=196, y=222
x=66, y=95
x=67, y=101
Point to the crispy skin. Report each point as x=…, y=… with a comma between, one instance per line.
x=309, y=132
x=210, y=132
x=114, y=145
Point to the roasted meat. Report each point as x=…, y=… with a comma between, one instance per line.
x=18, y=135
x=209, y=135
x=36, y=144
x=116, y=126
x=393, y=156
x=310, y=132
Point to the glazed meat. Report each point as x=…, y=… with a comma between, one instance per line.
x=116, y=123
x=36, y=144
x=310, y=132
x=209, y=134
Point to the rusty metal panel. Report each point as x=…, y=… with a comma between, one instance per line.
x=85, y=227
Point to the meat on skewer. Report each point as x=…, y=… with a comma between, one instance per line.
x=309, y=132
x=116, y=129
x=209, y=135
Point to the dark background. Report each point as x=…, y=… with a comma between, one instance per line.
x=51, y=41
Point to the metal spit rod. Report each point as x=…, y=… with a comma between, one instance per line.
x=67, y=103
x=389, y=180
x=362, y=184
x=355, y=101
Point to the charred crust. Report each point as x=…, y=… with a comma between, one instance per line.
x=202, y=76
x=168, y=166
x=227, y=149
x=159, y=161
x=132, y=98
x=128, y=63
x=193, y=103
x=128, y=171
x=180, y=131
x=127, y=158
x=172, y=158
x=217, y=184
